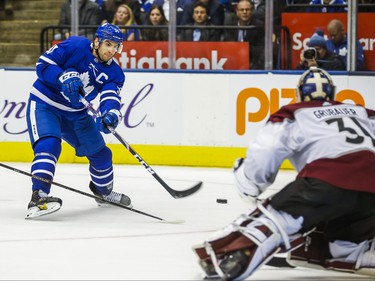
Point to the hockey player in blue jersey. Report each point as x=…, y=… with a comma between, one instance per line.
x=66, y=71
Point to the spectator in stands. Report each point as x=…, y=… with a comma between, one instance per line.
x=6, y=9
x=228, y=5
x=110, y=8
x=366, y=5
x=324, y=59
x=200, y=17
x=296, y=5
x=180, y=6
x=338, y=43
x=260, y=11
x=89, y=14
x=146, y=5
x=156, y=17
x=215, y=8
x=101, y=4
x=327, y=9
x=255, y=36
x=124, y=17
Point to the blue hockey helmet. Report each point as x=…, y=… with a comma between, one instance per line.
x=315, y=84
x=110, y=32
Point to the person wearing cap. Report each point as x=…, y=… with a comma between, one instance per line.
x=323, y=58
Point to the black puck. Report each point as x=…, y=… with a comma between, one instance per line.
x=221, y=201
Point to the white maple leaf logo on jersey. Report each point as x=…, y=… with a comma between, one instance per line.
x=343, y=52
x=85, y=78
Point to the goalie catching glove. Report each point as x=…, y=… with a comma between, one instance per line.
x=246, y=189
x=110, y=118
x=71, y=86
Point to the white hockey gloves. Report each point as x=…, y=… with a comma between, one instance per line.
x=71, y=85
x=245, y=187
x=110, y=118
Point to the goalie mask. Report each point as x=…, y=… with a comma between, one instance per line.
x=110, y=32
x=315, y=84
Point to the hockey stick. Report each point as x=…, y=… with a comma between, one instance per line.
x=86, y=194
x=175, y=193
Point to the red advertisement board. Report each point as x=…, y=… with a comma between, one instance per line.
x=303, y=25
x=189, y=55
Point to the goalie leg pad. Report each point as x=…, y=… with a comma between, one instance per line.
x=243, y=246
x=316, y=253
x=313, y=253
x=353, y=257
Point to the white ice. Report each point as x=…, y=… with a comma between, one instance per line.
x=85, y=242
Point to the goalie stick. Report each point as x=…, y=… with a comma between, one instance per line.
x=175, y=193
x=86, y=194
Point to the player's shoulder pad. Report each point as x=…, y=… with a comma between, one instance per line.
x=288, y=111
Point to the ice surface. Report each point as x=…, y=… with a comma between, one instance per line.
x=85, y=242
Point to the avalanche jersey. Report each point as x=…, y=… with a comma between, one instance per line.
x=330, y=141
x=103, y=79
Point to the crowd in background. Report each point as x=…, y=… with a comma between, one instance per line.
x=194, y=18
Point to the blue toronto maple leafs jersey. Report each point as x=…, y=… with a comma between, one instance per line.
x=103, y=79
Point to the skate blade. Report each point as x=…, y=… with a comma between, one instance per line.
x=108, y=205
x=35, y=212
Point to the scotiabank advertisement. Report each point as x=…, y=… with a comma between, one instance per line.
x=303, y=25
x=189, y=55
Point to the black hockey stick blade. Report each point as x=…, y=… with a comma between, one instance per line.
x=184, y=193
x=87, y=194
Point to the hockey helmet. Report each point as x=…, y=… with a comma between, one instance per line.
x=315, y=84
x=110, y=32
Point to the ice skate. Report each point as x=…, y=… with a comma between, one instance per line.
x=114, y=197
x=41, y=204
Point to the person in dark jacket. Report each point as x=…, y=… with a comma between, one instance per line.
x=89, y=14
x=215, y=8
x=254, y=35
x=338, y=43
x=200, y=17
x=324, y=58
x=156, y=17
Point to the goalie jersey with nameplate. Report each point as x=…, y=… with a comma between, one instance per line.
x=103, y=79
x=330, y=141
